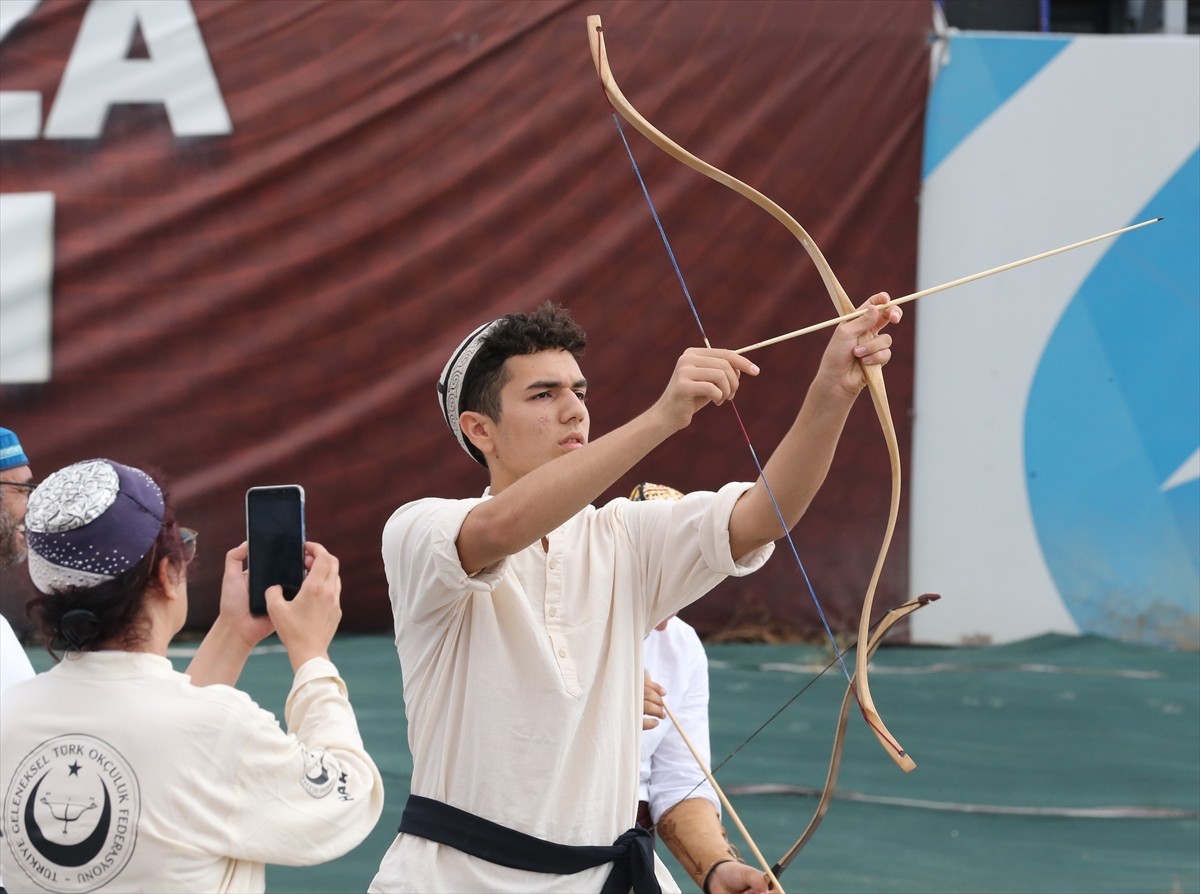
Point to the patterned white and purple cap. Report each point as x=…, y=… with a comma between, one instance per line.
x=450, y=384
x=89, y=522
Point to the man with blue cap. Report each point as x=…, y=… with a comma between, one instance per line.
x=16, y=482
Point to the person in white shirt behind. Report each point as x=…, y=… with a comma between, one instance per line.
x=676, y=799
x=118, y=771
x=14, y=663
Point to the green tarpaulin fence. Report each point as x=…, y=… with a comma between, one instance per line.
x=1056, y=764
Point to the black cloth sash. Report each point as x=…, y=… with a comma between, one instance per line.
x=632, y=854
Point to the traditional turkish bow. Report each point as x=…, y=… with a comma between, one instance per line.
x=873, y=374
x=878, y=633
x=839, y=737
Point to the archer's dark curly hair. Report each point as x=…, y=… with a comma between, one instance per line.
x=85, y=619
x=550, y=327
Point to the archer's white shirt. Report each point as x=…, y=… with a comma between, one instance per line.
x=523, y=684
x=117, y=771
x=675, y=659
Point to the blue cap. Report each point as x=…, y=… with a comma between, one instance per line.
x=11, y=454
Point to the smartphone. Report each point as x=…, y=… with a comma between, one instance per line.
x=275, y=532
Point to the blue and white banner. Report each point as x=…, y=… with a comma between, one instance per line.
x=1056, y=455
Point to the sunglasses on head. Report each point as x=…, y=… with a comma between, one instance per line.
x=188, y=536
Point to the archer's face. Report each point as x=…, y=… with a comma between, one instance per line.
x=543, y=415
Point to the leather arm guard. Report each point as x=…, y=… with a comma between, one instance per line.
x=693, y=832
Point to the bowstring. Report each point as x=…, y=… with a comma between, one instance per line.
x=839, y=655
x=762, y=726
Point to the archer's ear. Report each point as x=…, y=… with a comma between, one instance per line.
x=477, y=429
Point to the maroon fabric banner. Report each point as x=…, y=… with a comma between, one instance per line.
x=273, y=304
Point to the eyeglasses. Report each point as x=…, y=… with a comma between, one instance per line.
x=188, y=536
x=27, y=485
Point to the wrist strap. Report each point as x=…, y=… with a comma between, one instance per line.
x=711, y=869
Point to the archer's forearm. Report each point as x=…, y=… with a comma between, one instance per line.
x=548, y=496
x=795, y=471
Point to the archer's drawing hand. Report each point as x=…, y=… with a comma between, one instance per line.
x=702, y=376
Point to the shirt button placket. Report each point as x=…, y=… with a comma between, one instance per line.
x=553, y=594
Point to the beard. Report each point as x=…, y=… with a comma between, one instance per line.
x=12, y=542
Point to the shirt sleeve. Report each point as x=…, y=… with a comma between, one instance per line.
x=420, y=558
x=313, y=793
x=714, y=535
x=683, y=546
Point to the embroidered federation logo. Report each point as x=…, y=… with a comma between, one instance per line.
x=71, y=813
x=320, y=773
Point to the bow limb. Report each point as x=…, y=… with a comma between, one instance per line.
x=841, y=301
x=677, y=152
x=839, y=736
x=861, y=685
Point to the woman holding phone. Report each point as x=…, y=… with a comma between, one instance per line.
x=118, y=771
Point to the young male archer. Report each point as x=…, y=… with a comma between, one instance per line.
x=520, y=614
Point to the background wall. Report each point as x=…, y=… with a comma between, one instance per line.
x=237, y=242
x=1056, y=469
x=240, y=239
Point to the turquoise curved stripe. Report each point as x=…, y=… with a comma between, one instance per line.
x=1113, y=412
x=982, y=73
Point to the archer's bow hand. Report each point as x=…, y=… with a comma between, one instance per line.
x=859, y=342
